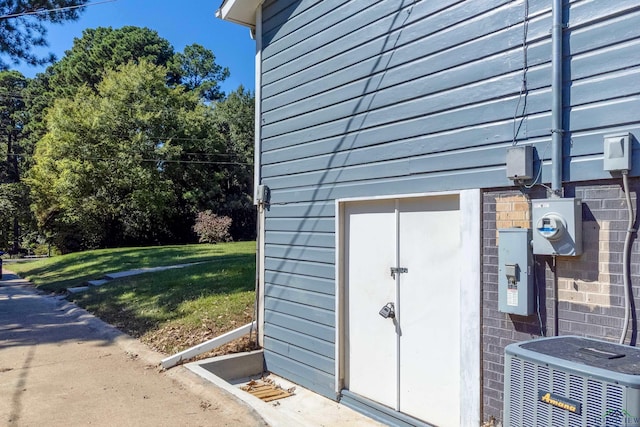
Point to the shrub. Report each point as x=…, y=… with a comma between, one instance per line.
x=212, y=228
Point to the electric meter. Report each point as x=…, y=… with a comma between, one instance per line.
x=558, y=226
x=551, y=226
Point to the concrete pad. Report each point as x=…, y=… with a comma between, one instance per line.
x=135, y=272
x=99, y=282
x=78, y=289
x=304, y=408
x=61, y=366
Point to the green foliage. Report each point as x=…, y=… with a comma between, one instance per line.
x=98, y=50
x=13, y=117
x=16, y=220
x=98, y=172
x=234, y=124
x=104, y=49
x=130, y=145
x=23, y=31
x=200, y=72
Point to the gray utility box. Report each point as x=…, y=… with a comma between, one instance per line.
x=571, y=381
x=515, y=284
x=557, y=225
x=520, y=162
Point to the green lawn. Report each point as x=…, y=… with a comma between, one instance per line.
x=61, y=272
x=170, y=310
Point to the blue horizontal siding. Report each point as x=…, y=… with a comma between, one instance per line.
x=603, y=60
x=314, y=284
x=302, y=326
x=593, y=115
x=364, y=99
x=299, y=296
x=314, y=314
x=306, y=268
x=305, y=375
x=411, y=113
x=312, y=351
x=299, y=355
x=386, y=49
x=324, y=240
x=298, y=210
x=585, y=143
x=481, y=177
x=319, y=225
x=301, y=253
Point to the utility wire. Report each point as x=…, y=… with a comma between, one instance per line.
x=523, y=88
x=60, y=9
x=113, y=159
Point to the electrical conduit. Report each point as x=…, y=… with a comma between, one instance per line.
x=626, y=257
x=556, y=95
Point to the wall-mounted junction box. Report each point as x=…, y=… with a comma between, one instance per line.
x=515, y=260
x=262, y=194
x=557, y=225
x=617, y=152
x=520, y=162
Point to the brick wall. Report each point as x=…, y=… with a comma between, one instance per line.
x=587, y=291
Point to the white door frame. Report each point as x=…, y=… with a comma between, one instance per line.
x=470, y=297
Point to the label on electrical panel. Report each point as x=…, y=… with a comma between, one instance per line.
x=512, y=297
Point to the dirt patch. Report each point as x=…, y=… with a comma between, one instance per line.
x=172, y=339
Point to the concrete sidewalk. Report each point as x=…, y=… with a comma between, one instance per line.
x=61, y=366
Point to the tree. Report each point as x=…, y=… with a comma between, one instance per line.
x=131, y=147
x=234, y=124
x=199, y=71
x=12, y=121
x=21, y=29
x=16, y=220
x=104, y=49
x=14, y=211
x=99, y=175
x=98, y=51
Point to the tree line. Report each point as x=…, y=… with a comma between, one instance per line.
x=121, y=142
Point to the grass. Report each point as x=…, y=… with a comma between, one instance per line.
x=61, y=272
x=170, y=310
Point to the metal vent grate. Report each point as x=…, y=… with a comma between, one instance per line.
x=527, y=378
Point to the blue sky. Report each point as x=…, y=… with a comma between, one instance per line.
x=181, y=23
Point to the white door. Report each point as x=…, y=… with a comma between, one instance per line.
x=409, y=363
x=371, y=338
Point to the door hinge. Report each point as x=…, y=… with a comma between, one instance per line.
x=398, y=270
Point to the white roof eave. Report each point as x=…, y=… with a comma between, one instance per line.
x=241, y=12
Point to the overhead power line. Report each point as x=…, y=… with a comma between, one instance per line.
x=148, y=160
x=60, y=9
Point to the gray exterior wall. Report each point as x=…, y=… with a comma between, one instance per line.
x=369, y=98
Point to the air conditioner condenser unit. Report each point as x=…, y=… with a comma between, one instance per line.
x=571, y=381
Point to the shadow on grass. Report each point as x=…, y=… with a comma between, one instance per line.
x=142, y=303
x=71, y=270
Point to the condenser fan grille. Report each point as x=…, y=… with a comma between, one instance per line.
x=528, y=379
